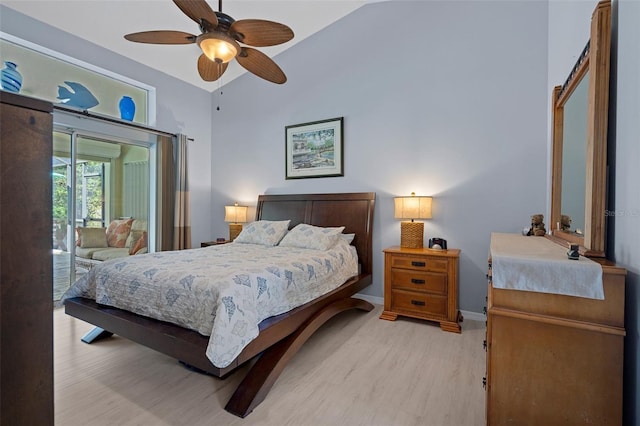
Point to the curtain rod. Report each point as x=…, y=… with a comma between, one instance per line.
x=86, y=113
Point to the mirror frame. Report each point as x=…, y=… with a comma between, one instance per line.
x=595, y=59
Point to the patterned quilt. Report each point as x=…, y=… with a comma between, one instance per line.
x=221, y=291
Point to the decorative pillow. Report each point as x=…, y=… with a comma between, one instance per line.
x=136, y=225
x=118, y=231
x=264, y=232
x=143, y=250
x=141, y=244
x=134, y=237
x=92, y=237
x=312, y=237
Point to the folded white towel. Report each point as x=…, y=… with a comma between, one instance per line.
x=538, y=264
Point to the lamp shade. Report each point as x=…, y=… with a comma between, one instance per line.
x=235, y=213
x=412, y=207
x=218, y=46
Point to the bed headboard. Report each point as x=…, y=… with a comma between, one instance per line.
x=352, y=210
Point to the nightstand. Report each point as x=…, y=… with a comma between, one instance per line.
x=422, y=283
x=213, y=243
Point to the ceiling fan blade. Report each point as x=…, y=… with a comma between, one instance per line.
x=197, y=10
x=210, y=70
x=261, y=65
x=260, y=33
x=162, y=37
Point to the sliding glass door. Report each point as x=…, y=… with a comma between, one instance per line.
x=62, y=218
x=96, y=179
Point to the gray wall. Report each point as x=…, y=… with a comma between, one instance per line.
x=443, y=98
x=181, y=107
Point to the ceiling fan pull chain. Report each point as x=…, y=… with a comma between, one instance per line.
x=219, y=86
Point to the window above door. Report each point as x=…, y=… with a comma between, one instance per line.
x=64, y=80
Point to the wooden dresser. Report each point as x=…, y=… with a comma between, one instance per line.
x=422, y=283
x=553, y=358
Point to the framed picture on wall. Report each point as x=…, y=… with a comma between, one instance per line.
x=314, y=149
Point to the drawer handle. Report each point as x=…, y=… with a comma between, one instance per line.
x=418, y=302
x=417, y=281
x=416, y=263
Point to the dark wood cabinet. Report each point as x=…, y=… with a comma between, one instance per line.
x=26, y=303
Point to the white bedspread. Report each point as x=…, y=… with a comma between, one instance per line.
x=222, y=291
x=537, y=264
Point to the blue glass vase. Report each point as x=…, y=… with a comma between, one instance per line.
x=11, y=78
x=127, y=108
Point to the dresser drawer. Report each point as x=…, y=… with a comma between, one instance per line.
x=419, y=263
x=418, y=303
x=434, y=282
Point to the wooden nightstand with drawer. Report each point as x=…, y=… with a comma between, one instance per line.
x=422, y=283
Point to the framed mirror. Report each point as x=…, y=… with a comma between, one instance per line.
x=579, y=168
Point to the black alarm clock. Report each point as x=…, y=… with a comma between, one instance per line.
x=437, y=243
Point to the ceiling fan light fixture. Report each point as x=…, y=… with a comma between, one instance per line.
x=218, y=46
x=220, y=41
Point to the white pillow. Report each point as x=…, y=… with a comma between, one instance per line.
x=264, y=232
x=348, y=237
x=312, y=237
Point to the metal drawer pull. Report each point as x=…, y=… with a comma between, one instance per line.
x=418, y=302
x=417, y=281
x=422, y=264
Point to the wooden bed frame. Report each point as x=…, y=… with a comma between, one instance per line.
x=280, y=336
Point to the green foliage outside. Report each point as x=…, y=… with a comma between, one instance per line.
x=94, y=195
x=59, y=193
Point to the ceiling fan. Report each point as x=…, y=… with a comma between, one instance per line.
x=222, y=39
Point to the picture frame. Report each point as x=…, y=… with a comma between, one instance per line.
x=314, y=149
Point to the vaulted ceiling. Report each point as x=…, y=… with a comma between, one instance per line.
x=105, y=22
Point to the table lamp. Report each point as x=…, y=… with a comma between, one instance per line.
x=236, y=215
x=412, y=233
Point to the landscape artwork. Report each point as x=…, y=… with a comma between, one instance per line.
x=314, y=149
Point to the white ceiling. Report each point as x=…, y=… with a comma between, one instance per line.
x=105, y=22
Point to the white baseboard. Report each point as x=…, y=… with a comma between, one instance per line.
x=474, y=316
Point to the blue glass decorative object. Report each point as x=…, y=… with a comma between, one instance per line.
x=81, y=97
x=127, y=108
x=11, y=78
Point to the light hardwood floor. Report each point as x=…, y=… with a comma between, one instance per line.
x=356, y=370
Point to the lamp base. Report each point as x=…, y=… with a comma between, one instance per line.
x=412, y=234
x=234, y=230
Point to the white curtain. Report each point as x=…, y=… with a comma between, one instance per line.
x=136, y=190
